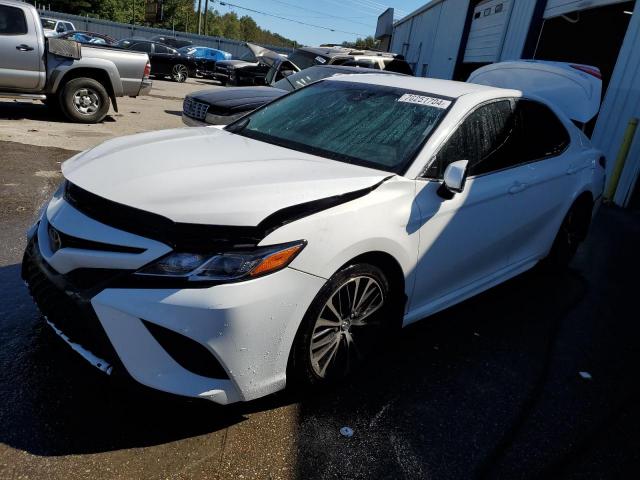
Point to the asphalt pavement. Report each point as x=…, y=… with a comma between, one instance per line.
x=536, y=378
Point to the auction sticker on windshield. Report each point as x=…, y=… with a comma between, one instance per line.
x=425, y=100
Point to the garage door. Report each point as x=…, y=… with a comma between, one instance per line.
x=488, y=27
x=562, y=7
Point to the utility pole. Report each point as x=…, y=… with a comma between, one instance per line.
x=206, y=14
x=133, y=12
x=199, y=15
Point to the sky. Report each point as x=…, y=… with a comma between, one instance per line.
x=348, y=18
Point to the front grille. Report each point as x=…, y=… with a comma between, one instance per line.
x=66, y=308
x=59, y=239
x=194, y=109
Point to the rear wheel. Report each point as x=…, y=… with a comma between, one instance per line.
x=84, y=100
x=348, y=318
x=572, y=232
x=179, y=73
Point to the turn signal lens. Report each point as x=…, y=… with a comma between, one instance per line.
x=276, y=260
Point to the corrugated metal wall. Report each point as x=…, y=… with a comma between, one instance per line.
x=622, y=102
x=518, y=29
x=124, y=30
x=430, y=40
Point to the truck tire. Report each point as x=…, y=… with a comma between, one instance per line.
x=84, y=100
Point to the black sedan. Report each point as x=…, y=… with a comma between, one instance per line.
x=166, y=61
x=223, y=106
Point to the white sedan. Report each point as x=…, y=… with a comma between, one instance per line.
x=227, y=263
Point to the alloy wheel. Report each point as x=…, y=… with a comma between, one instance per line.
x=345, y=327
x=179, y=73
x=86, y=101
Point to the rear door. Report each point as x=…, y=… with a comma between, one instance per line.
x=544, y=171
x=20, y=51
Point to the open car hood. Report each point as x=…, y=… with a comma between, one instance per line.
x=267, y=56
x=575, y=89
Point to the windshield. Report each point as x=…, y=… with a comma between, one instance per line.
x=48, y=24
x=249, y=57
x=372, y=125
x=303, y=59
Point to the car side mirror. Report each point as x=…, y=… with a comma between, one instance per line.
x=455, y=176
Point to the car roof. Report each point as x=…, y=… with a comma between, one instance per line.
x=446, y=88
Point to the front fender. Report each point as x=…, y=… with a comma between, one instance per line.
x=376, y=222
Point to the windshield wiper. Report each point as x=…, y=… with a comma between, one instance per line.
x=239, y=125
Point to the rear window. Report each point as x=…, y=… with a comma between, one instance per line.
x=141, y=47
x=372, y=125
x=46, y=23
x=12, y=21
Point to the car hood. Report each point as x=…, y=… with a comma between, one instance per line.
x=229, y=101
x=211, y=176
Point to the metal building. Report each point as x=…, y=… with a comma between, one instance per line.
x=451, y=38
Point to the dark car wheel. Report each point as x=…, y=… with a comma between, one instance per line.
x=347, y=319
x=84, y=100
x=572, y=232
x=179, y=73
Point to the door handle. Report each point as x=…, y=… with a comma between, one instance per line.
x=572, y=170
x=517, y=188
x=24, y=48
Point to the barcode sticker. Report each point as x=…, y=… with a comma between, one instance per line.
x=424, y=100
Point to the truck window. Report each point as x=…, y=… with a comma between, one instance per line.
x=12, y=21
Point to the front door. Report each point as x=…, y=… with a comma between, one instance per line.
x=20, y=54
x=466, y=240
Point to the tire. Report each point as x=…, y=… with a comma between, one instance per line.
x=572, y=232
x=326, y=349
x=84, y=100
x=179, y=73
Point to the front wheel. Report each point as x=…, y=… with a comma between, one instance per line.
x=347, y=319
x=84, y=100
x=179, y=73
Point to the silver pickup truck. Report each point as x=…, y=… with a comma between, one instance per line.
x=79, y=80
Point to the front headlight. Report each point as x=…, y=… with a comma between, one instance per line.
x=227, y=266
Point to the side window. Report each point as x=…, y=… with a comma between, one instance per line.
x=486, y=138
x=68, y=26
x=542, y=133
x=161, y=49
x=142, y=47
x=12, y=21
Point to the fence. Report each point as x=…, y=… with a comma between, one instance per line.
x=125, y=30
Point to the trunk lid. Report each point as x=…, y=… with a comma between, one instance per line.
x=574, y=88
